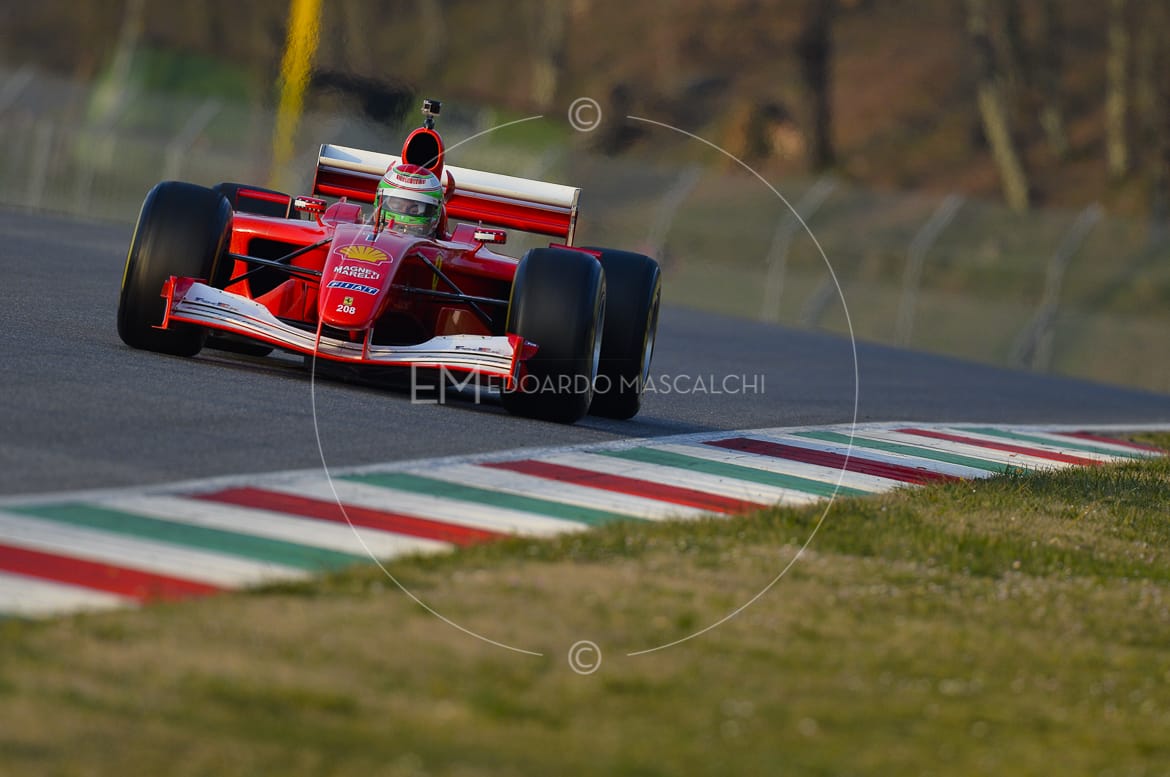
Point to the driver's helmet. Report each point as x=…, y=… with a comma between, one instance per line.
x=410, y=199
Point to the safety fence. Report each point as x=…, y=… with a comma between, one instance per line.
x=1077, y=292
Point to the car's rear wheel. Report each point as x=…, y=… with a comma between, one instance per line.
x=558, y=302
x=182, y=230
x=633, y=285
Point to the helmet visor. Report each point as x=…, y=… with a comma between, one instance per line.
x=412, y=209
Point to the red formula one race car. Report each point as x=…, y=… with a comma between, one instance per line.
x=416, y=284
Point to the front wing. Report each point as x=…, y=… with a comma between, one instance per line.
x=193, y=302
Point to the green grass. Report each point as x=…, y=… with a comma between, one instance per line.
x=1013, y=626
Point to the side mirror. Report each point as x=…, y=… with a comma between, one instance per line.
x=314, y=205
x=497, y=236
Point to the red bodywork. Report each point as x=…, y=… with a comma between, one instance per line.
x=366, y=267
x=381, y=297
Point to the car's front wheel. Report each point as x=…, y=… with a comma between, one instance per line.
x=182, y=230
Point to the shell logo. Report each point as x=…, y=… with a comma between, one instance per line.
x=364, y=253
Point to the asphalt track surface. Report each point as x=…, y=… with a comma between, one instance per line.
x=82, y=410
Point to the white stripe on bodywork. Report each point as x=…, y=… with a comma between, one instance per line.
x=206, y=305
x=374, y=164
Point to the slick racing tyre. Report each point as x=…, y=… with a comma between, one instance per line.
x=633, y=286
x=182, y=230
x=558, y=302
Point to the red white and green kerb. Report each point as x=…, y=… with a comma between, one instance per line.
x=68, y=552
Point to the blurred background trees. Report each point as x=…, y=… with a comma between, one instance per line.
x=991, y=81
x=1041, y=102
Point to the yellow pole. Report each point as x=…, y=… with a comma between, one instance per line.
x=304, y=21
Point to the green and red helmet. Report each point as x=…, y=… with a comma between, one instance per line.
x=410, y=199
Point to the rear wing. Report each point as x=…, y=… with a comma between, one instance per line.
x=482, y=197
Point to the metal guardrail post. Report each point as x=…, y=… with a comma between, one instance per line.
x=544, y=163
x=100, y=144
x=14, y=86
x=187, y=136
x=916, y=257
x=818, y=301
x=668, y=208
x=41, y=156
x=777, y=259
x=1033, y=346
